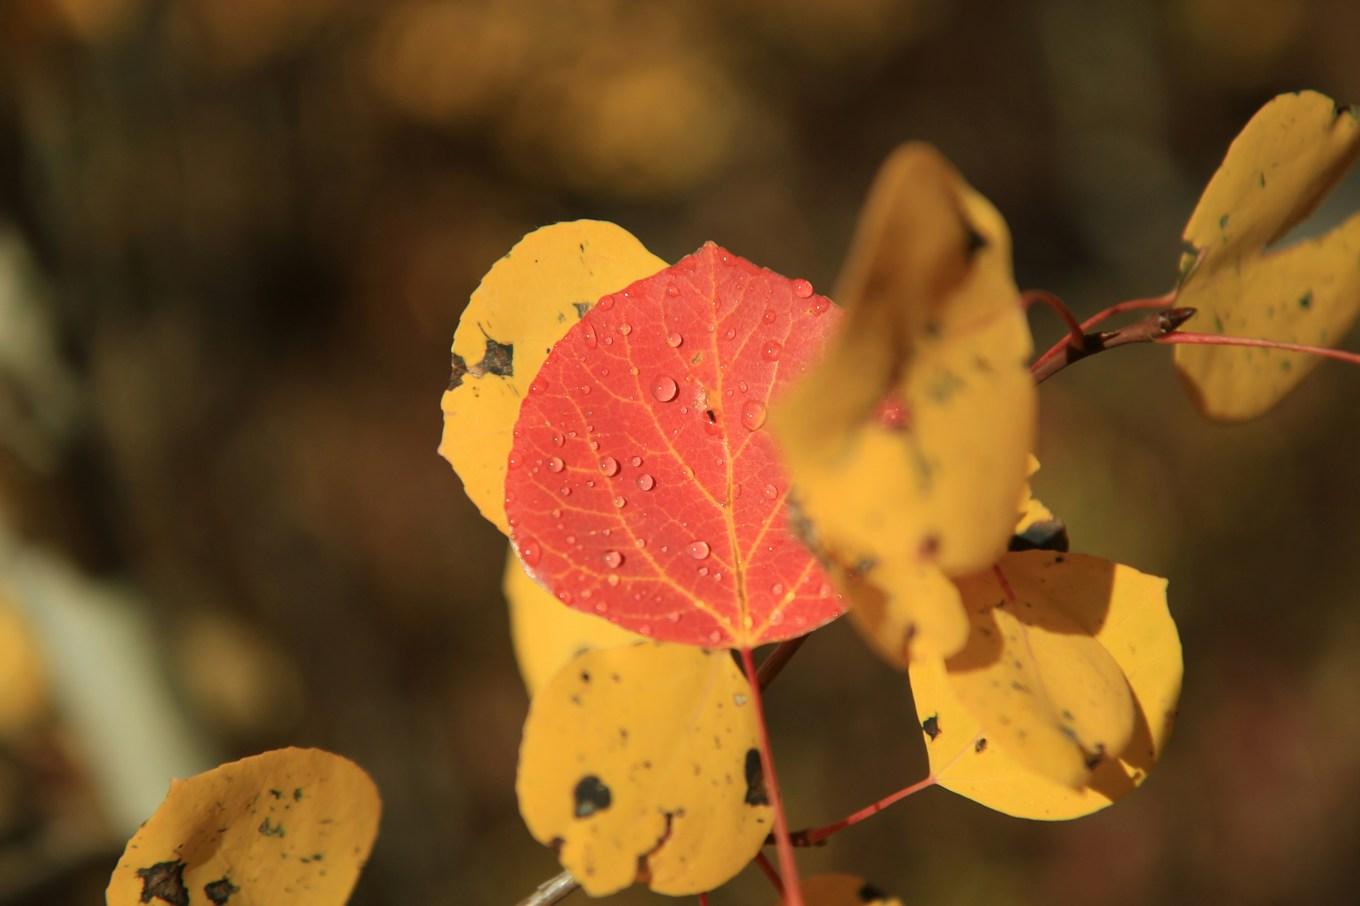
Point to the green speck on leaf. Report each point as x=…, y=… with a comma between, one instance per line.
x=270, y=829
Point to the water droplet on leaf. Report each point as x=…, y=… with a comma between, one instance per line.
x=646, y=482
x=613, y=559
x=801, y=288
x=770, y=352
x=555, y=464
x=752, y=415
x=664, y=389
x=698, y=549
x=609, y=466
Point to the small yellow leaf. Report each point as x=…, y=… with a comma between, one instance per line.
x=933, y=325
x=292, y=826
x=1276, y=171
x=906, y=611
x=547, y=633
x=843, y=890
x=643, y=763
x=525, y=304
x=1118, y=607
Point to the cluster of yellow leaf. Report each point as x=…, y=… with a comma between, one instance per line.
x=1276, y=172
x=1045, y=681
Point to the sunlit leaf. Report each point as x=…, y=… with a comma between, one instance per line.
x=1276, y=171
x=643, y=763
x=844, y=890
x=934, y=326
x=978, y=753
x=922, y=617
x=525, y=303
x=643, y=484
x=545, y=633
x=291, y=827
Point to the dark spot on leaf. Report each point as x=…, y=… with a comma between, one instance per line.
x=1045, y=535
x=591, y=796
x=1096, y=757
x=457, y=368
x=930, y=547
x=974, y=241
x=869, y=893
x=711, y=415
x=931, y=726
x=755, y=779
x=581, y=308
x=981, y=744
x=164, y=881
x=271, y=830
x=297, y=794
x=1306, y=300
x=585, y=676
x=1223, y=222
x=277, y=794
x=219, y=891
x=499, y=358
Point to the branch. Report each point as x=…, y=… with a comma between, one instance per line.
x=554, y=890
x=1152, y=328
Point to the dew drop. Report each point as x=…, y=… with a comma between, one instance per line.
x=557, y=513
x=606, y=303
x=625, y=328
x=730, y=333
x=770, y=492
x=777, y=589
x=752, y=414
x=565, y=597
x=538, y=385
x=645, y=482
x=530, y=553
x=703, y=570
x=674, y=340
x=672, y=290
x=565, y=491
x=819, y=305
x=635, y=461
x=609, y=465
x=743, y=386
x=620, y=502
x=612, y=579
x=640, y=543
x=715, y=636
x=556, y=464
x=664, y=389
x=771, y=351
x=514, y=461
x=801, y=288
x=590, y=482
x=613, y=559
x=698, y=549
x=608, y=341
x=768, y=317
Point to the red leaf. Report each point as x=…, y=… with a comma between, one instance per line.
x=643, y=485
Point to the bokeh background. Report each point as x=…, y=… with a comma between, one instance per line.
x=235, y=238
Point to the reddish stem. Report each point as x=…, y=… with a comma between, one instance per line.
x=775, y=661
x=1074, y=331
x=703, y=899
x=1212, y=339
x=787, y=864
x=770, y=874
x=815, y=836
x=1104, y=315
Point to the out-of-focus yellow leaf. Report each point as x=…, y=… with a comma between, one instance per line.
x=547, y=633
x=292, y=826
x=1276, y=171
x=23, y=682
x=923, y=617
x=524, y=305
x=643, y=763
x=1119, y=608
x=843, y=890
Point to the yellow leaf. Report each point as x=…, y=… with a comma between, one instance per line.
x=843, y=890
x=1276, y=171
x=643, y=763
x=547, y=633
x=525, y=304
x=23, y=682
x=906, y=611
x=934, y=324
x=1037, y=527
x=292, y=826
x=1122, y=610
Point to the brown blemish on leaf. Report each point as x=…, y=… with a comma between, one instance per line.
x=590, y=796
x=219, y=892
x=164, y=881
x=755, y=780
x=457, y=368
x=931, y=726
x=271, y=830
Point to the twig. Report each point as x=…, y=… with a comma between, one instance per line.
x=1100, y=317
x=1152, y=328
x=1211, y=339
x=1074, y=330
x=788, y=866
x=770, y=874
x=774, y=661
x=816, y=836
x=554, y=890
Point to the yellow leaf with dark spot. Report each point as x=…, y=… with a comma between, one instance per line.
x=643, y=763
x=292, y=826
x=525, y=304
x=547, y=633
x=933, y=323
x=1117, y=607
x=843, y=890
x=1275, y=173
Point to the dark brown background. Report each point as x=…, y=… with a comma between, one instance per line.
x=251, y=225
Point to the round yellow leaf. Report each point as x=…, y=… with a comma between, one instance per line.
x=524, y=305
x=643, y=763
x=547, y=633
x=1276, y=171
x=291, y=826
x=1126, y=613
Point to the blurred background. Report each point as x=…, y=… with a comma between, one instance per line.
x=235, y=238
